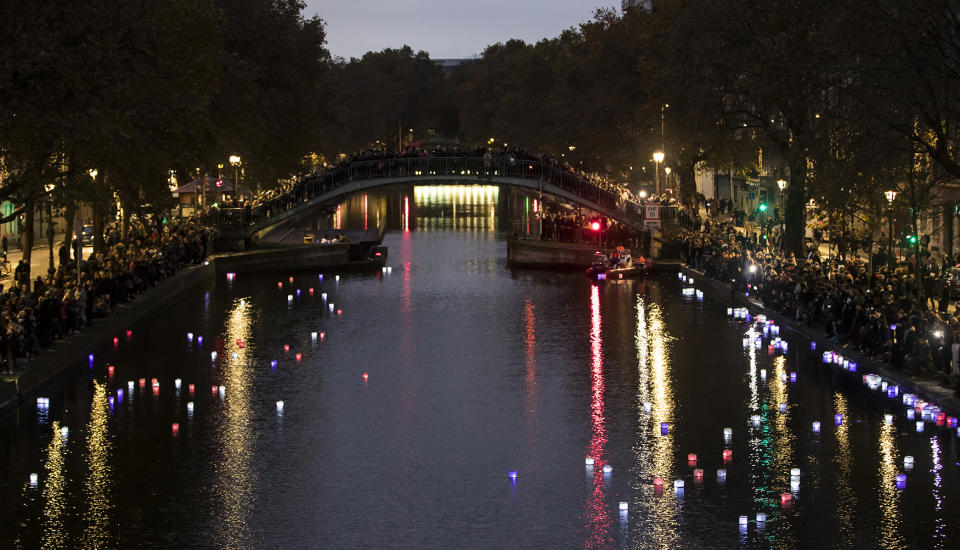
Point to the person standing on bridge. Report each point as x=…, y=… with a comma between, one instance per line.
x=487, y=163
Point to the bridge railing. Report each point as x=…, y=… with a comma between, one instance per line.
x=455, y=167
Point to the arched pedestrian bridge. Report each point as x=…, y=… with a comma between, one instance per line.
x=543, y=177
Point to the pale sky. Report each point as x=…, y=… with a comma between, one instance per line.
x=445, y=29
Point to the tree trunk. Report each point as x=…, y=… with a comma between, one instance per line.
x=688, y=184
x=68, y=218
x=795, y=210
x=50, y=232
x=99, y=245
x=28, y=218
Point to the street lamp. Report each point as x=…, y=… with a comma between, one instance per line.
x=657, y=158
x=891, y=196
x=235, y=161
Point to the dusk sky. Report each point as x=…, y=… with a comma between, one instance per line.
x=444, y=28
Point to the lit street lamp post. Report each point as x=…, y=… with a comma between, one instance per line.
x=235, y=161
x=891, y=196
x=657, y=158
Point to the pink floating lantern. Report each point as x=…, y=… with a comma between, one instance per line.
x=143, y=382
x=213, y=390
x=279, y=284
x=365, y=376
x=291, y=280
x=785, y=499
x=175, y=428
x=286, y=348
x=692, y=458
x=116, y=341
x=658, y=482
x=339, y=312
x=311, y=291
x=698, y=474
x=110, y=370
x=299, y=357
x=727, y=455
x=190, y=388
x=129, y=333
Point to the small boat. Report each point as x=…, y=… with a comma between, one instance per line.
x=600, y=269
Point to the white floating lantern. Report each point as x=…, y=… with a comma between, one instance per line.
x=888, y=418
x=130, y=386
x=794, y=485
x=213, y=356
x=816, y=427
x=678, y=484
x=64, y=432
x=313, y=336
x=763, y=374
x=794, y=472
x=729, y=312
x=919, y=426
x=33, y=480
x=289, y=298
x=722, y=474
x=177, y=383
x=589, y=461
x=336, y=278
x=43, y=403
x=908, y=462
x=607, y=468
x=624, y=506
x=727, y=433
x=756, y=419
x=279, y=407
x=910, y=414
x=223, y=391
x=647, y=407
x=331, y=307
x=783, y=407
x=190, y=336
x=189, y=408
x=761, y=517
x=744, y=521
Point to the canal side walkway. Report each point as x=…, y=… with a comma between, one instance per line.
x=66, y=352
x=927, y=388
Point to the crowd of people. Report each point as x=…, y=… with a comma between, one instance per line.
x=890, y=314
x=64, y=300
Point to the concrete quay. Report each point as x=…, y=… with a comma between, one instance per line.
x=924, y=387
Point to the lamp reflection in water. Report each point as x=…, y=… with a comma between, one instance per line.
x=236, y=479
x=54, y=500
x=530, y=341
x=652, y=452
x=782, y=462
x=889, y=535
x=97, y=515
x=469, y=207
x=843, y=461
x=598, y=517
x=939, y=531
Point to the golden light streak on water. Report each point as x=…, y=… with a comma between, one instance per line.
x=889, y=536
x=665, y=510
x=54, y=498
x=843, y=460
x=98, y=483
x=235, y=478
x=783, y=449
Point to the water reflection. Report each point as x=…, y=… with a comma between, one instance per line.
x=939, y=532
x=54, y=498
x=783, y=451
x=598, y=517
x=235, y=478
x=461, y=207
x=530, y=340
x=889, y=496
x=843, y=460
x=98, y=483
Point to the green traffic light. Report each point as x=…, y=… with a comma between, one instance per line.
x=913, y=239
x=763, y=207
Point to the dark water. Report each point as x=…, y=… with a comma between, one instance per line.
x=473, y=370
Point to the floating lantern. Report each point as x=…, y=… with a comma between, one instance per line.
x=761, y=517
x=143, y=382
x=783, y=407
x=90, y=358
x=189, y=408
x=793, y=377
x=116, y=341
x=322, y=335
x=231, y=276
x=794, y=472
x=289, y=298
x=794, y=484
x=298, y=293
x=119, y=394
x=785, y=498
x=64, y=432
x=273, y=364
x=664, y=428
x=910, y=414
x=908, y=462
x=647, y=407
x=110, y=370
x=130, y=385
x=692, y=458
x=154, y=382
x=727, y=455
x=919, y=426
x=213, y=356
x=336, y=278
x=763, y=374
x=190, y=388
x=320, y=277
x=607, y=468
x=339, y=312
x=901, y=481
x=223, y=391
x=951, y=421
x=279, y=284
x=286, y=348
x=190, y=336
x=200, y=340
x=33, y=480
x=743, y=521
x=43, y=403
x=279, y=407
x=698, y=474
x=624, y=506
x=813, y=345
x=816, y=427
x=323, y=296
x=838, y=419
x=177, y=383
x=175, y=428
x=213, y=390
x=727, y=433
x=892, y=391
x=589, y=461
x=331, y=307
x=888, y=418
x=658, y=483
x=313, y=336
x=299, y=357
x=722, y=474
x=729, y=312
x=678, y=484
x=291, y=280
x=365, y=377
x=310, y=290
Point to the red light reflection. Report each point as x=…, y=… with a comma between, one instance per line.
x=598, y=515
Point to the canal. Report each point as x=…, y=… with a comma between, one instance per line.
x=426, y=386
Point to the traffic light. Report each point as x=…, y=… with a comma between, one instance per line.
x=762, y=207
x=912, y=239
x=595, y=225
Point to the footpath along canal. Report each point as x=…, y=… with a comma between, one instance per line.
x=451, y=401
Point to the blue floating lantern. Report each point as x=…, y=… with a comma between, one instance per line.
x=664, y=428
x=838, y=419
